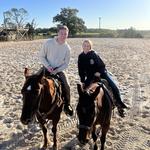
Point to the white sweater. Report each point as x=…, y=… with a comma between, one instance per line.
x=55, y=55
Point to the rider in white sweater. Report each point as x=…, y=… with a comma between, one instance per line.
x=55, y=57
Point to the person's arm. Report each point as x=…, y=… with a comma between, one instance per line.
x=100, y=64
x=43, y=55
x=81, y=70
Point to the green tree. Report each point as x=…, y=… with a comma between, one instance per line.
x=69, y=18
x=31, y=29
x=15, y=18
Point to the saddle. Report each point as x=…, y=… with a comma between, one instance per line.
x=108, y=91
x=105, y=89
x=99, y=98
x=48, y=75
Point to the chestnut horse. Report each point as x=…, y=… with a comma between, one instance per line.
x=94, y=108
x=42, y=100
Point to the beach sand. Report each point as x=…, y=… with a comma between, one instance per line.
x=127, y=59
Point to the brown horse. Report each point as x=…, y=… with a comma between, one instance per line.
x=94, y=108
x=42, y=99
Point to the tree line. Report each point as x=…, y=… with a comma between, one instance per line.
x=17, y=18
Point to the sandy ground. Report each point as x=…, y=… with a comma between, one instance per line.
x=127, y=59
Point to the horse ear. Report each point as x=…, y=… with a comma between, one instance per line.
x=79, y=88
x=26, y=72
x=96, y=92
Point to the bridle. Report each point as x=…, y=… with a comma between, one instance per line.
x=81, y=126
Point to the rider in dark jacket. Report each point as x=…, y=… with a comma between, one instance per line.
x=90, y=63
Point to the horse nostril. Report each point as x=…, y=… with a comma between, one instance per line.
x=82, y=142
x=28, y=121
x=25, y=122
x=87, y=140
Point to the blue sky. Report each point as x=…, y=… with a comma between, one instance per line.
x=115, y=14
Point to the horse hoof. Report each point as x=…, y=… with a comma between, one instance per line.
x=95, y=147
x=43, y=148
x=49, y=143
x=55, y=148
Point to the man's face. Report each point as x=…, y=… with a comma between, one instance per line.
x=62, y=34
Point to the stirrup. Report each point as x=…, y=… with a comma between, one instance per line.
x=121, y=105
x=121, y=112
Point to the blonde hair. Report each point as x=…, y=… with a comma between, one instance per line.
x=89, y=41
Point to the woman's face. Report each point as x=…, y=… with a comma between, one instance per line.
x=86, y=46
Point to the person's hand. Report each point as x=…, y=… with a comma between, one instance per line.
x=50, y=69
x=97, y=74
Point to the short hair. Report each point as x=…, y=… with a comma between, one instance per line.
x=62, y=27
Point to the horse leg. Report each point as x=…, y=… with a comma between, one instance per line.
x=94, y=136
x=54, y=130
x=46, y=141
x=103, y=136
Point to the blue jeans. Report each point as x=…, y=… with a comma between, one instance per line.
x=113, y=86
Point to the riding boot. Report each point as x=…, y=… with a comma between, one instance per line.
x=119, y=104
x=68, y=109
x=121, y=111
x=66, y=94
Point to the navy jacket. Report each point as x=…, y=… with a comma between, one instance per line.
x=88, y=64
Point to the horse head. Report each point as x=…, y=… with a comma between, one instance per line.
x=31, y=93
x=86, y=111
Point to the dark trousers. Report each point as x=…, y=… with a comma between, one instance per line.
x=113, y=86
x=65, y=87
